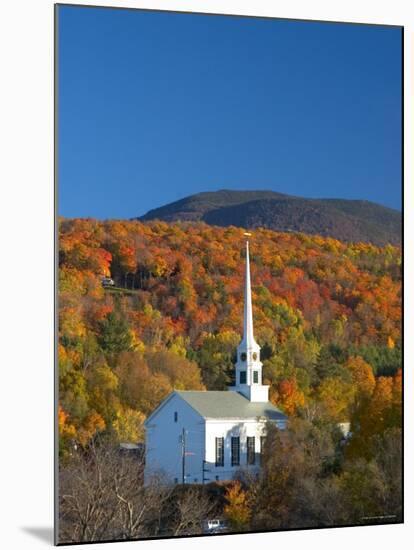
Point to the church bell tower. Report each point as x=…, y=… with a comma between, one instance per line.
x=248, y=364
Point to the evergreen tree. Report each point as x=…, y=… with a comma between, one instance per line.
x=115, y=335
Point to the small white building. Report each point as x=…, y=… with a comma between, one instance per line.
x=204, y=436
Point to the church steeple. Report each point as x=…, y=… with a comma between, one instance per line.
x=248, y=337
x=248, y=365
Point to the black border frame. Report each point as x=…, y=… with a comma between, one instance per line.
x=56, y=7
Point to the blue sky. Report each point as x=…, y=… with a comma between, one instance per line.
x=156, y=106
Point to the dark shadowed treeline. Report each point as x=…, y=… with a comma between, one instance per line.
x=312, y=478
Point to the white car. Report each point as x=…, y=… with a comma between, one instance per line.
x=214, y=526
x=107, y=281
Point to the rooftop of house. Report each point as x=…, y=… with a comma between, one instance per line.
x=229, y=404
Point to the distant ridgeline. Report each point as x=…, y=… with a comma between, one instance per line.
x=348, y=220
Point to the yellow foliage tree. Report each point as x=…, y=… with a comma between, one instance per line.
x=390, y=343
x=238, y=509
x=336, y=396
x=362, y=375
x=129, y=425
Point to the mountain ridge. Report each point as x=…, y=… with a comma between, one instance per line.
x=344, y=219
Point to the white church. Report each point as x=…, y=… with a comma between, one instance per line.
x=205, y=436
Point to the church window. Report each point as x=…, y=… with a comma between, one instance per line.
x=254, y=356
x=175, y=416
x=255, y=377
x=219, y=451
x=243, y=377
x=243, y=356
x=235, y=451
x=251, y=455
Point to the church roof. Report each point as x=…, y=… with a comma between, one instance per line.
x=229, y=404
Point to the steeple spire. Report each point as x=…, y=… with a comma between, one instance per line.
x=248, y=337
x=248, y=365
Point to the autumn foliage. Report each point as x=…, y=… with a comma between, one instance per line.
x=237, y=508
x=327, y=316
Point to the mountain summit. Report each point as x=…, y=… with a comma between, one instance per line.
x=346, y=220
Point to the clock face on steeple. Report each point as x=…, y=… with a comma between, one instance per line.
x=254, y=356
x=243, y=356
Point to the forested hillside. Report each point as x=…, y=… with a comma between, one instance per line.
x=327, y=315
x=348, y=220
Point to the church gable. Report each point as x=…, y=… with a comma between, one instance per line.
x=172, y=404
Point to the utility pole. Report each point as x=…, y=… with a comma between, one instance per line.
x=183, y=455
